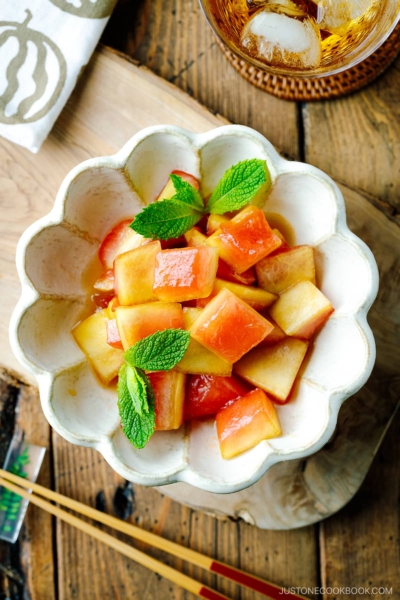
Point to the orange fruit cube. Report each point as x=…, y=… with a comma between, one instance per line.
x=229, y=327
x=198, y=359
x=245, y=239
x=247, y=422
x=139, y=321
x=169, y=392
x=185, y=273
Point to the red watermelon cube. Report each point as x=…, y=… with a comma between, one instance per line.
x=246, y=422
x=207, y=394
x=245, y=239
x=185, y=273
x=229, y=327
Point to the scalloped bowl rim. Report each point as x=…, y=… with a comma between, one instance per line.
x=103, y=444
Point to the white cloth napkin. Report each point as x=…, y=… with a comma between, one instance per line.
x=44, y=45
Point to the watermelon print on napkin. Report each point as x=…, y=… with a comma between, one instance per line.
x=14, y=108
x=44, y=47
x=90, y=9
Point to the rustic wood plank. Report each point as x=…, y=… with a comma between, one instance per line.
x=357, y=139
x=38, y=559
x=360, y=545
x=29, y=563
x=382, y=237
x=127, y=26
x=78, y=575
x=288, y=558
x=264, y=553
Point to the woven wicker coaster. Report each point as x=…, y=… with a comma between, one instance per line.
x=324, y=88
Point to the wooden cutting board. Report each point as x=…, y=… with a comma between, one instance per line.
x=114, y=99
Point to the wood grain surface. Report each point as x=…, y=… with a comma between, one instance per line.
x=357, y=141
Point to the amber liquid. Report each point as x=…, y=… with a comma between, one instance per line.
x=232, y=15
x=276, y=221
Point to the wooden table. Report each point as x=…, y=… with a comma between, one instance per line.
x=357, y=141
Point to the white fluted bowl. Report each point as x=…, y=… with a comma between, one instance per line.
x=54, y=257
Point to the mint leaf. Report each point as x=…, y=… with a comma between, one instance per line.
x=238, y=186
x=160, y=351
x=186, y=193
x=137, y=388
x=166, y=219
x=137, y=427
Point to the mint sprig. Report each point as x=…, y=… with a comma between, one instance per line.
x=160, y=351
x=238, y=186
x=186, y=193
x=137, y=426
x=171, y=218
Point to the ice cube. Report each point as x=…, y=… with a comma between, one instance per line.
x=280, y=39
x=336, y=15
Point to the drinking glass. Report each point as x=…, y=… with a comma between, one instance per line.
x=338, y=52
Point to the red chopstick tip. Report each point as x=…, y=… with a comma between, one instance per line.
x=253, y=583
x=206, y=592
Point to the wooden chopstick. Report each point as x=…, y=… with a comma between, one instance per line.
x=143, y=559
x=242, y=578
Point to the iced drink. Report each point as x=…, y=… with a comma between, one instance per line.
x=296, y=34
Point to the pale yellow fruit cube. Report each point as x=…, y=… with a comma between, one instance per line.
x=214, y=223
x=273, y=369
x=278, y=272
x=134, y=274
x=194, y=238
x=91, y=337
x=256, y=298
x=301, y=310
